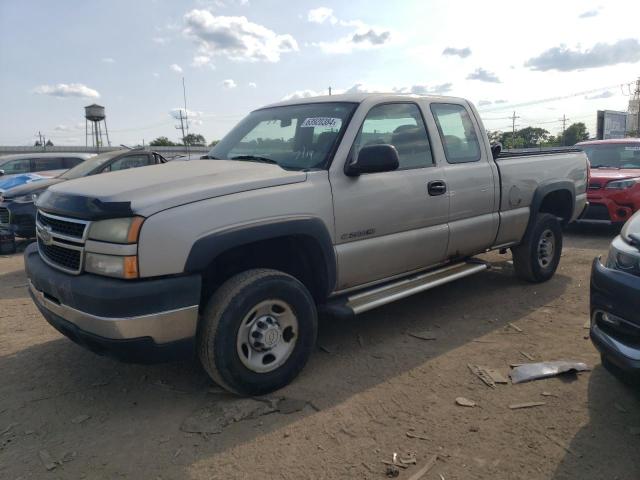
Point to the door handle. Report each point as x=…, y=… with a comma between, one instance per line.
x=437, y=187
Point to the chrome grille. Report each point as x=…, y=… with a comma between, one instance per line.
x=61, y=241
x=62, y=226
x=4, y=215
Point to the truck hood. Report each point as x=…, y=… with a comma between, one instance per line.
x=148, y=190
x=614, y=173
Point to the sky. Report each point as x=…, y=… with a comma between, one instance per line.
x=543, y=60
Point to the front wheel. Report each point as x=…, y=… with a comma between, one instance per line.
x=537, y=258
x=257, y=332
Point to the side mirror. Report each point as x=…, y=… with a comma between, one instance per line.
x=496, y=148
x=373, y=159
x=1, y=173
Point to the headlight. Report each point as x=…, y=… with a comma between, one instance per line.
x=111, y=265
x=622, y=184
x=24, y=199
x=116, y=230
x=624, y=262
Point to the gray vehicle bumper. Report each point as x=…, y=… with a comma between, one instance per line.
x=141, y=321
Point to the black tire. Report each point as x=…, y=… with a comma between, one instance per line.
x=529, y=262
x=223, y=318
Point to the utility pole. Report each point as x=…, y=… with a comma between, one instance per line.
x=636, y=97
x=329, y=91
x=513, y=130
x=186, y=116
x=564, y=120
x=181, y=126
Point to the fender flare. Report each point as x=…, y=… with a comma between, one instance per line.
x=208, y=248
x=543, y=190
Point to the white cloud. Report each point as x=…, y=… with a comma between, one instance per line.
x=321, y=15
x=193, y=117
x=364, y=88
x=253, y=84
x=202, y=61
x=458, y=52
x=483, y=75
x=108, y=60
x=302, y=94
x=363, y=38
x=590, y=13
x=161, y=40
x=67, y=90
x=175, y=68
x=597, y=96
x=229, y=83
x=236, y=38
x=63, y=128
x=600, y=55
x=155, y=74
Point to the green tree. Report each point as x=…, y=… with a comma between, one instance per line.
x=214, y=143
x=495, y=136
x=194, y=139
x=162, y=142
x=532, y=136
x=576, y=132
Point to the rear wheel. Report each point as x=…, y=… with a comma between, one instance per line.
x=537, y=258
x=257, y=332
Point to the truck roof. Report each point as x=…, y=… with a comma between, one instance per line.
x=359, y=98
x=610, y=141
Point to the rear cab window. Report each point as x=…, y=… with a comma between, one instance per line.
x=457, y=133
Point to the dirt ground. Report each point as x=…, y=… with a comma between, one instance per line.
x=369, y=390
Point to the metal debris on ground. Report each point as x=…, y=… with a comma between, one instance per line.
x=465, y=402
x=47, y=460
x=422, y=335
x=527, y=356
x=489, y=376
x=515, y=327
x=548, y=394
x=416, y=435
x=408, y=459
x=68, y=456
x=516, y=406
x=425, y=468
x=535, y=371
x=80, y=419
x=325, y=349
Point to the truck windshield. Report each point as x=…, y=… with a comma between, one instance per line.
x=613, y=155
x=296, y=137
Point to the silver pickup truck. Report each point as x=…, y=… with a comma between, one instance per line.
x=333, y=204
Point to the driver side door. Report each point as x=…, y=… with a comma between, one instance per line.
x=388, y=223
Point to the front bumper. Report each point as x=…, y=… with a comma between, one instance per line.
x=616, y=206
x=142, y=321
x=615, y=316
x=21, y=218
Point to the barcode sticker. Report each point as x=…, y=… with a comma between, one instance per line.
x=320, y=122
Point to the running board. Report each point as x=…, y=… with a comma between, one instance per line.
x=377, y=296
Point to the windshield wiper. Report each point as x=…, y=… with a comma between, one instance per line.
x=255, y=158
x=207, y=157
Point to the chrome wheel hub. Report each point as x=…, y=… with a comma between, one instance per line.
x=546, y=248
x=267, y=336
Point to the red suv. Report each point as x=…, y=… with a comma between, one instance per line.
x=614, y=188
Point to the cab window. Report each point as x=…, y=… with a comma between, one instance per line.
x=22, y=165
x=130, y=161
x=400, y=125
x=458, y=135
x=48, y=163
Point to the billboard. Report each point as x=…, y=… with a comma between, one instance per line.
x=611, y=124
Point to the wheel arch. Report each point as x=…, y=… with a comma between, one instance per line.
x=557, y=197
x=301, y=247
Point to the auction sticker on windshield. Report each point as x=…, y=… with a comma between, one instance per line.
x=630, y=149
x=320, y=122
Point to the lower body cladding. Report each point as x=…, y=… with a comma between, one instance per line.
x=615, y=317
x=137, y=321
x=18, y=218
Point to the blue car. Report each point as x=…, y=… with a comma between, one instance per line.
x=10, y=181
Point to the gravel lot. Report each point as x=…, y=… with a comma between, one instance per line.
x=370, y=390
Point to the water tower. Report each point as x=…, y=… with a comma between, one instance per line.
x=95, y=114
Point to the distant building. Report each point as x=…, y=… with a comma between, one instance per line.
x=632, y=118
x=612, y=124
